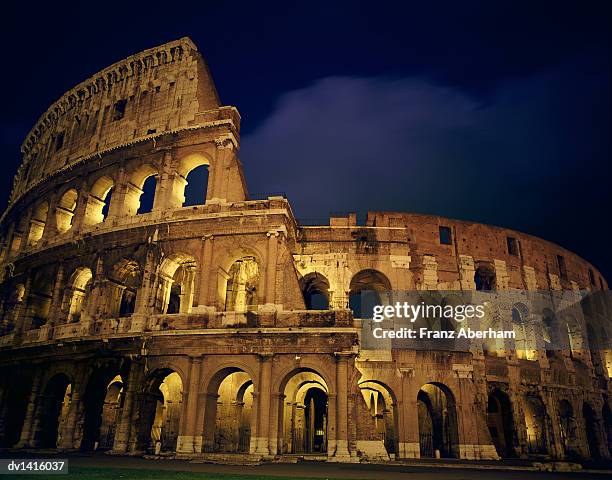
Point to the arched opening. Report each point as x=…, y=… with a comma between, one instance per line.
x=241, y=285
x=591, y=426
x=229, y=412
x=37, y=223
x=500, y=423
x=55, y=403
x=303, y=415
x=567, y=426
x=525, y=341
x=438, y=434
x=15, y=402
x=39, y=299
x=574, y=335
x=99, y=200
x=160, y=412
x=367, y=289
x=484, y=276
x=535, y=417
x=196, y=186
x=123, y=283
x=193, y=171
x=381, y=407
x=607, y=419
x=234, y=412
x=315, y=289
x=113, y=402
x=140, y=190
x=101, y=402
x=79, y=286
x=177, y=277
x=11, y=308
x=64, y=212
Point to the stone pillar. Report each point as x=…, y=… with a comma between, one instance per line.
x=117, y=203
x=56, y=302
x=271, y=267
x=466, y=272
x=144, y=294
x=408, y=421
x=203, y=287
x=342, y=451
x=27, y=430
x=21, y=315
x=67, y=437
x=188, y=442
x=263, y=424
x=219, y=171
x=124, y=427
x=430, y=273
x=83, y=200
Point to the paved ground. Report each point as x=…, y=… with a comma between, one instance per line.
x=309, y=469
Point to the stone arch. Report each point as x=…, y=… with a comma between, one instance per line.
x=438, y=428
x=99, y=200
x=567, y=426
x=135, y=188
x=606, y=415
x=97, y=397
x=53, y=410
x=500, y=422
x=193, y=168
x=40, y=296
x=229, y=411
x=368, y=288
x=124, y=281
x=574, y=334
x=315, y=290
x=592, y=430
x=11, y=307
x=382, y=405
x=38, y=222
x=526, y=347
x=177, y=283
x=17, y=391
x=111, y=409
x=77, y=292
x=535, y=424
x=160, y=411
x=239, y=280
x=484, y=276
x=303, y=412
x=64, y=211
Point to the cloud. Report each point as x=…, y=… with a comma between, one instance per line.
x=377, y=143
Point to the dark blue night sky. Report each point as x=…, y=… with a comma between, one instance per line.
x=496, y=112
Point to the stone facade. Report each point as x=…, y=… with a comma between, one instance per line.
x=228, y=328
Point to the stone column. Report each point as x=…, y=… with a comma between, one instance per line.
x=331, y=424
x=124, y=427
x=27, y=430
x=21, y=315
x=270, y=292
x=219, y=178
x=83, y=200
x=188, y=442
x=56, y=302
x=263, y=424
x=144, y=294
x=203, y=287
x=117, y=203
x=67, y=438
x=342, y=451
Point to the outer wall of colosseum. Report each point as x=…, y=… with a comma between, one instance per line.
x=224, y=328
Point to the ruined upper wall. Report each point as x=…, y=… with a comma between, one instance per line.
x=157, y=90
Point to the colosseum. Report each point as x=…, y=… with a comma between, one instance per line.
x=229, y=329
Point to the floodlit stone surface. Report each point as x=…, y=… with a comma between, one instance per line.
x=227, y=328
